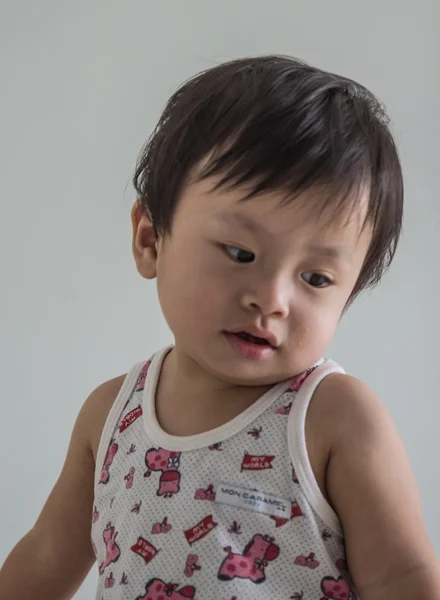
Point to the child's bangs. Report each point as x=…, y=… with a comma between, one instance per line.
x=332, y=185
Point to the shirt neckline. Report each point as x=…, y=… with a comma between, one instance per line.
x=207, y=438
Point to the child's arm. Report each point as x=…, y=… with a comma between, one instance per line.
x=52, y=560
x=371, y=487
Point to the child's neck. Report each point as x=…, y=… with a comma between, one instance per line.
x=189, y=400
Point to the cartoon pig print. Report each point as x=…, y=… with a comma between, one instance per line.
x=168, y=463
x=336, y=589
x=252, y=563
x=112, y=551
x=110, y=455
x=156, y=589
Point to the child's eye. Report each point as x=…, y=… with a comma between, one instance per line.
x=316, y=280
x=239, y=255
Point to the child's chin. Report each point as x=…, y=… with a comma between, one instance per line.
x=240, y=372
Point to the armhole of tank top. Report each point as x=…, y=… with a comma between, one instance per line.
x=298, y=449
x=114, y=415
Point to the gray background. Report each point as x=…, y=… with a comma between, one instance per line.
x=82, y=86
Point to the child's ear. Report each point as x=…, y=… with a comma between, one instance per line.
x=144, y=242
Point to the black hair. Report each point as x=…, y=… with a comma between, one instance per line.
x=277, y=123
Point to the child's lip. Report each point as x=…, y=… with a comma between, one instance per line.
x=248, y=349
x=265, y=334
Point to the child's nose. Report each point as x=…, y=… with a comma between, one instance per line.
x=269, y=297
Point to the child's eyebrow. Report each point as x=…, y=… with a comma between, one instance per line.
x=242, y=220
x=331, y=252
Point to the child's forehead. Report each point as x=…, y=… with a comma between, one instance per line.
x=273, y=211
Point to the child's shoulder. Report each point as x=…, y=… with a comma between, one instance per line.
x=344, y=417
x=96, y=408
x=342, y=404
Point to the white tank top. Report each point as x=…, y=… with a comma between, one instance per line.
x=234, y=513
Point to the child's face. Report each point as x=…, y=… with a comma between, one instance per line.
x=255, y=266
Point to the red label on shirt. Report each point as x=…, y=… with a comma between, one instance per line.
x=199, y=531
x=130, y=418
x=144, y=549
x=256, y=463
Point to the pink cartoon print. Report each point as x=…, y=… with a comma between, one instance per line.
x=307, y=561
x=192, y=565
x=252, y=563
x=279, y=521
x=167, y=462
x=112, y=551
x=297, y=381
x=110, y=455
x=255, y=432
x=341, y=564
x=95, y=517
x=129, y=478
x=136, y=507
x=124, y=579
x=132, y=449
x=156, y=589
x=109, y=581
x=142, y=377
x=296, y=510
x=336, y=589
x=218, y=446
x=284, y=410
x=163, y=527
x=235, y=528
x=208, y=494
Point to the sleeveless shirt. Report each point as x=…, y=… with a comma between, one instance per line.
x=234, y=513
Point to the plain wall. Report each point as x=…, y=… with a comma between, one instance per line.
x=82, y=84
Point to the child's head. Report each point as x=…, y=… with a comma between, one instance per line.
x=270, y=195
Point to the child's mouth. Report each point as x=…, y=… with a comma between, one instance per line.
x=250, y=346
x=252, y=338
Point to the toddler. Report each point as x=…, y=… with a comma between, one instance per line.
x=239, y=464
